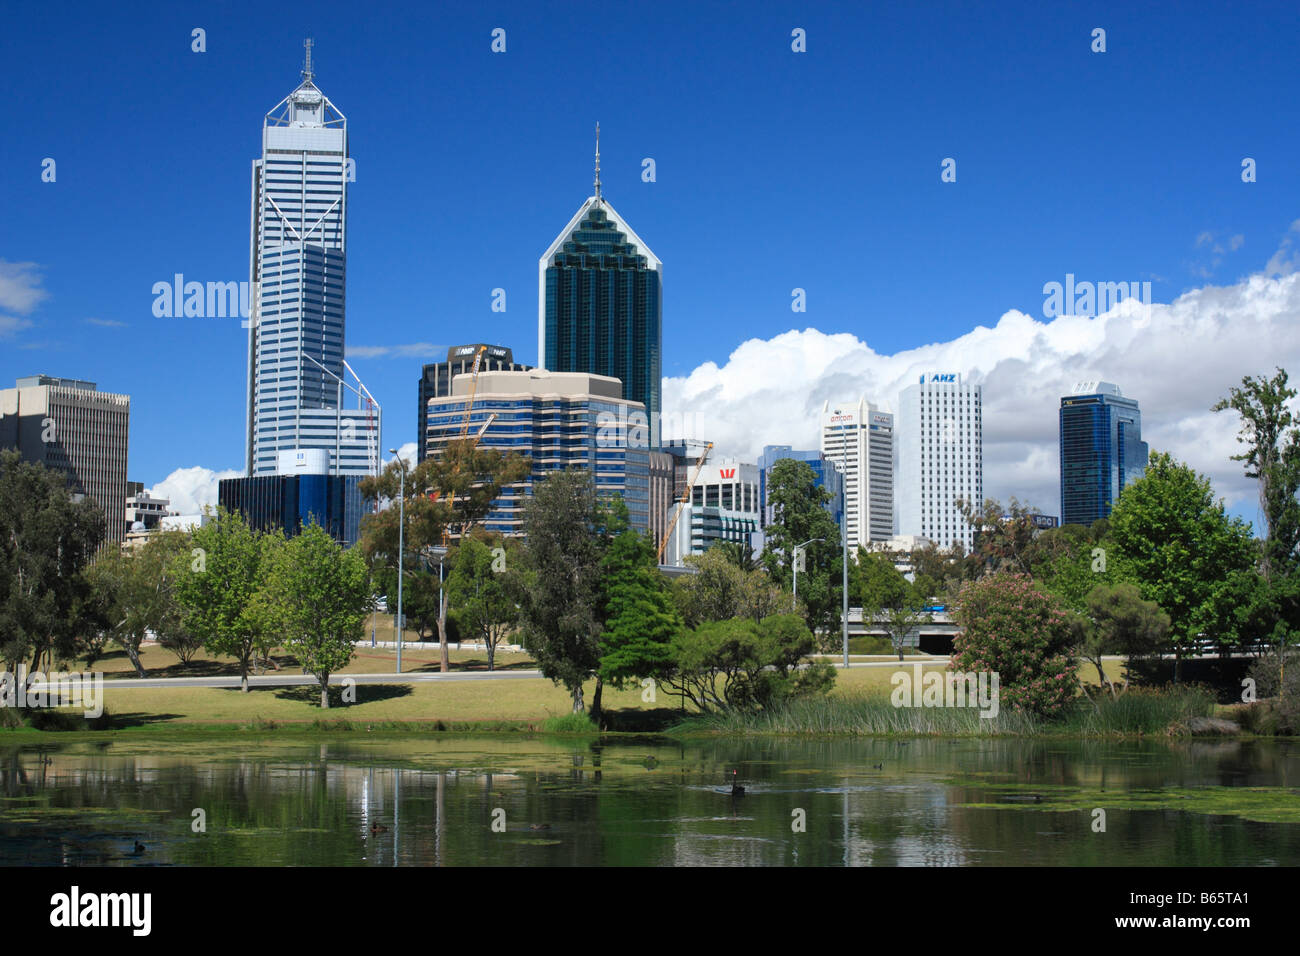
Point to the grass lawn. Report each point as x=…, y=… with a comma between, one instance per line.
x=523, y=702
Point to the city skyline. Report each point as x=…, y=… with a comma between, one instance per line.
x=1227, y=265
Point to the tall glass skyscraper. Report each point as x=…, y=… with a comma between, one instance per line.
x=1102, y=451
x=600, y=304
x=298, y=270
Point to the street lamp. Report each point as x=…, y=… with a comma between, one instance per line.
x=794, y=600
x=401, y=546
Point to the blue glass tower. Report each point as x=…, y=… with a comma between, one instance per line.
x=1102, y=451
x=600, y=304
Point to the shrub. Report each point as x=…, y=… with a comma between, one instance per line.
x=578, y=723
x=1011, y=628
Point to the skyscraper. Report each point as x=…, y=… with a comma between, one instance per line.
x=599, y=304
x=940, y=441
x=296, y=369
x=70, y=427
x=436, y=378
x=858, y=439
x=1102, y=451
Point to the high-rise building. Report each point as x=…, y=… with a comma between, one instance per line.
x=724, y=506
x=599, y=304
x=71, y=427
x=940, y=442
x=557, y=420
x=826, y=472
x=301, y=492
x=663, y=474
x=858, y=439
x=297, y=376
x=1102, y=451
x=435, y=379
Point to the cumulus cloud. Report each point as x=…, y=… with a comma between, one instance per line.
x=191, y=488
x=1176, y=359
x=407, y=453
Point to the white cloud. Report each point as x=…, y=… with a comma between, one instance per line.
x=407, y=453
x=9, y=325
x=1177, y=360
x=107, y=323
x=191, y=488
x=20, y=286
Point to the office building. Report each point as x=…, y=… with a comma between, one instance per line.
x=70, y=426
x=558, y=420
x=1102, y=451
x=299, y=396
x=724, y=506
x=826, y=472
x=599, y=304
x=858, y=438
x=435, y=379
x=301, y=492
x=663, y=477
x=940, y=442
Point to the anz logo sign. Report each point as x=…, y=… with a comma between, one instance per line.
x=939, y=377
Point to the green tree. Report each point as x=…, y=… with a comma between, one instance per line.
x=316, y=595
x=46, y=541
x=449, y=493
x=720, y=590
x=138, y=590
x=800, y=514
x=481, y=591
x=562, y=593
x=1011, y=628
x=1118, y=621
x=1179, y=546
x=227, y=563
x=1006, y=538
x=640, y=618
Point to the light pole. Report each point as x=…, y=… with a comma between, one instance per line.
x=794, y=600
x=401, y=549
x=844, y=536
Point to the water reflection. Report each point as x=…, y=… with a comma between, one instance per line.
x=502, y=801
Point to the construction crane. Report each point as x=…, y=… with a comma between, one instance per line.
x=681, y=503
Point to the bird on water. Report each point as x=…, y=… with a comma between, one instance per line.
x=736, y=789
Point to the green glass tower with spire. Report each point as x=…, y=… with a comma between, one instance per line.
x=600, y=303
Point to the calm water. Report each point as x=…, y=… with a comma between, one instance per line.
x=506, y=801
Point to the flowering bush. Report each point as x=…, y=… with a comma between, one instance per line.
x=1010, y=627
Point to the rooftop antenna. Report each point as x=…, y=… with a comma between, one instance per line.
x=306, y=70
x=597, y=160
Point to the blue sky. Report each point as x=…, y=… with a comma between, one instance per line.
x=775, y=170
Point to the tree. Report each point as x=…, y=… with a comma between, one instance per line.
x=563, y=590
x=1005, y=538
x=448, y=493
x=640, y=618
x=1011, y=628
x=1179, y=546
x=46, y=541
x=317, y=595
x=137, y=589
x=799, y=514
x=746, y=665
x=901, y=620
x=228, y=561
x=481, y=592
x=720, y=590
x=1118, y=621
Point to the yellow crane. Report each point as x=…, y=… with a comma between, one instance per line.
x=681, y=502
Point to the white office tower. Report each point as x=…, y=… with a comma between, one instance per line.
x=940, y=440
x=296, y=371
x=858, y=438
x=724, y=506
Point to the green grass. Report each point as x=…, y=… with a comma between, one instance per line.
x=570, y=724
x=870, y=713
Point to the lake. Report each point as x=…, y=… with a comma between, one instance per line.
x=465, y=800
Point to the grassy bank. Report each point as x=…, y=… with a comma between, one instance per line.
x=871, y=714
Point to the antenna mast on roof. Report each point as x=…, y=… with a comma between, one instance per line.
x=306, y=70
x=598, y=160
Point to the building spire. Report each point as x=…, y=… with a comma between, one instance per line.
x=597, y=160
x=306, y=69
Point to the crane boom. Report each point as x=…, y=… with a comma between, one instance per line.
x=681, y=502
